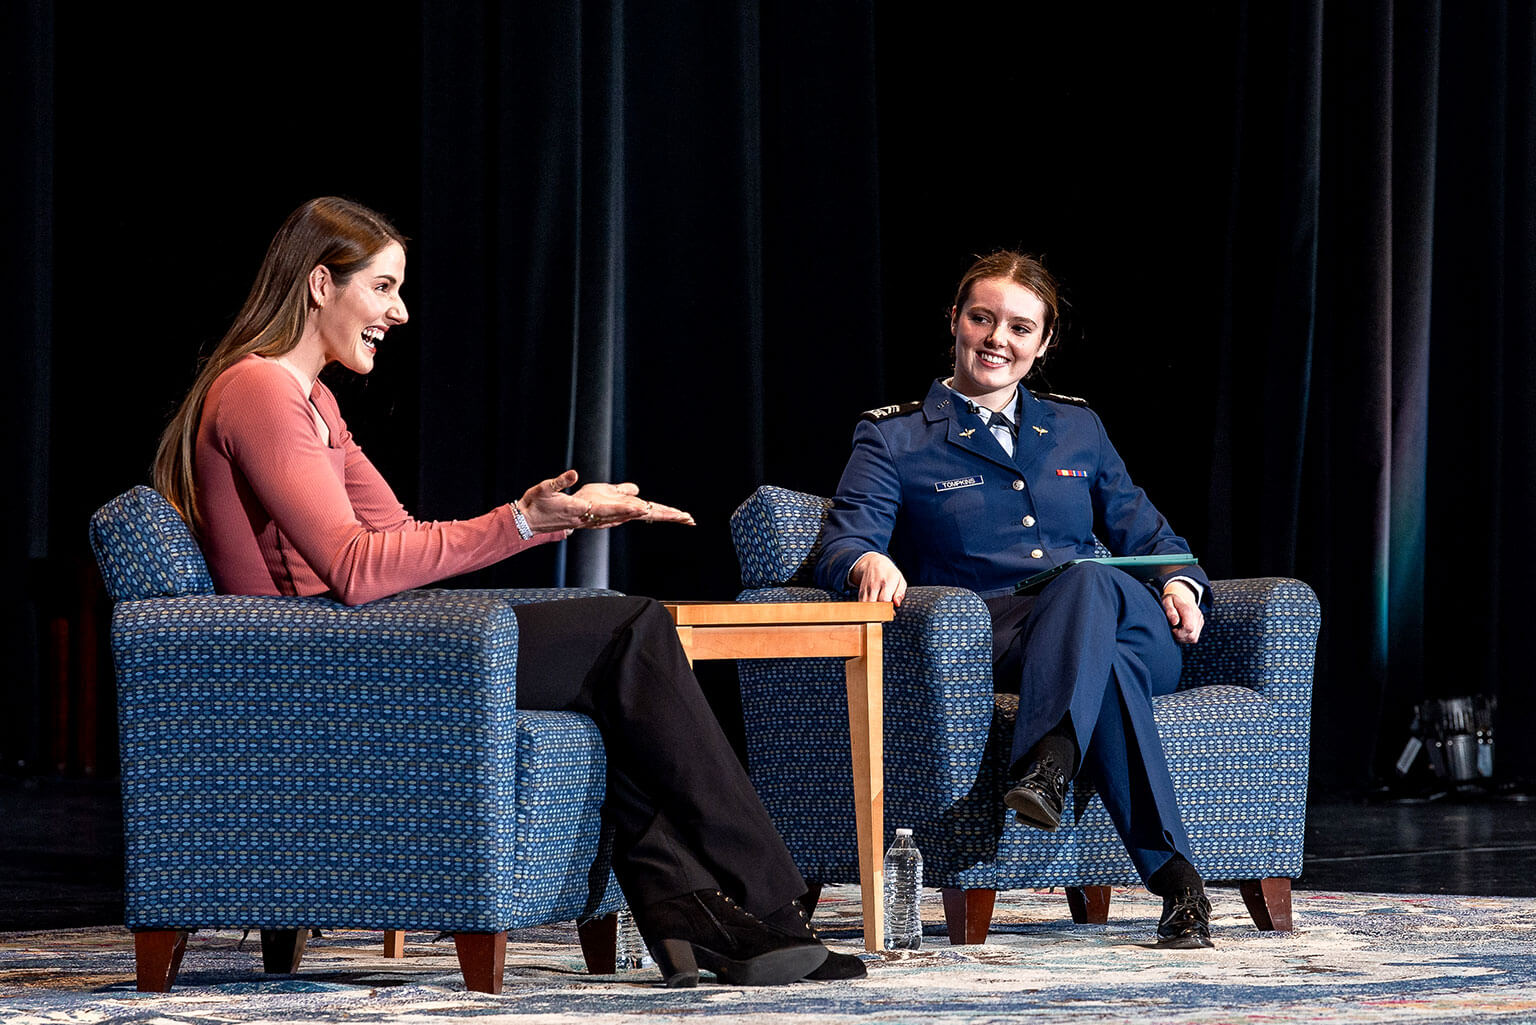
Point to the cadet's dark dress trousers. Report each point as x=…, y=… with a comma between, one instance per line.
x=1094, y=647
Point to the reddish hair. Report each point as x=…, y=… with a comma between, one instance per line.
x=1021, y=269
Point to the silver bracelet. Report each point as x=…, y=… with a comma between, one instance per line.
x=523, y=530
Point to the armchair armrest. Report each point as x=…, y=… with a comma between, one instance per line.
x=937, y=682
x=534, y=595
x=938, y=685
x=1262, y=634
x=321, y=755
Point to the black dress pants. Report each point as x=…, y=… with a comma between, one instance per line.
x=684, y=813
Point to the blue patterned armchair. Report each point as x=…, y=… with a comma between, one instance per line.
x=290, y=763
x=1236, y=736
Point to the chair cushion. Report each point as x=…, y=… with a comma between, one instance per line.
x=777, y=533
x=144, y=549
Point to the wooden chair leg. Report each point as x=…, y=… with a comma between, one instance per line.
x=157, y=958
x=1269, y=902
x=282, y=949
x=482, y=959
x=1089, y=904
x=394, y=942
x=968, y=914
x=600, y=943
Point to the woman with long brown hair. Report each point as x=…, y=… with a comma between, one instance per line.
x=260, y=463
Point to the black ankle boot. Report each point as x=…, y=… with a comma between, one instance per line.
x=1038, y=797
x=706, y=929
x=792, y=918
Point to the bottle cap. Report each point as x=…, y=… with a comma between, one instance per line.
x=903, y=832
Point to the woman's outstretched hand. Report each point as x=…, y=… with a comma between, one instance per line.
x=547, y=507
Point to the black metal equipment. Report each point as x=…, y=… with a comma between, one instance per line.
x=1457, y=735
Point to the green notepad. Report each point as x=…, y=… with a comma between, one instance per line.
x=1142, y=567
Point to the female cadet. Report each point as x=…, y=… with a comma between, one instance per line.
x=983, y=484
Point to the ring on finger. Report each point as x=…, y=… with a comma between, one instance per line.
x=588, y=517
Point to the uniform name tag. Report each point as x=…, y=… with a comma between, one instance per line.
x=958, y=482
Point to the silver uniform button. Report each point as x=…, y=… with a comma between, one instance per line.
x=1018, y=485
x=1037, y=554
x=1028, y=521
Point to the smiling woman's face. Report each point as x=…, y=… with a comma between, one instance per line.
x=999, y=333
x=354, y=322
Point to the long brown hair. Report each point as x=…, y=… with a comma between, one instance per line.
x=337, y=233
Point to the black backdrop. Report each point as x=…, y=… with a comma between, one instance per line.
x=686, y=244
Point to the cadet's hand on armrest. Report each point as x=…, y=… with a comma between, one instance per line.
x=1184, y=616
x=878, y=579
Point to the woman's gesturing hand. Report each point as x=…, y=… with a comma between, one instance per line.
x=547, y=507
x=878, y=579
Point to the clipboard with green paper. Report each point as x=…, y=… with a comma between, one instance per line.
x=1142, y=567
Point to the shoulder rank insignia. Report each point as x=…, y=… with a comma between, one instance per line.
x=1071, y=400
x=886, y=412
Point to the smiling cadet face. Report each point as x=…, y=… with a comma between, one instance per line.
x=1000, y=329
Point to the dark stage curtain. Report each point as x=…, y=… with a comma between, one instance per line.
x=632, y=208
x=1374, y=429
x=685, y=244
x=26, y=285
x=629, y=205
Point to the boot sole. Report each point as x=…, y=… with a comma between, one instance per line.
x=1031, y=810
x=1185, y=943
x=774, y=968
x=839, y=967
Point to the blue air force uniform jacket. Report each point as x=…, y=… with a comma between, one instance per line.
x=930, y=486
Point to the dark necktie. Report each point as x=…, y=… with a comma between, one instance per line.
x=1008, y=436
x=1000, y=419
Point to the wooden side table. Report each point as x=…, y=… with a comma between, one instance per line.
x=845, y=629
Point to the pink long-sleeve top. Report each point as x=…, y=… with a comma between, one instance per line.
x=285, y=513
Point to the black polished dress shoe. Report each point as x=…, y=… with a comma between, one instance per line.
x=1186, y=923
x=1037, y=799
x=793, y=919
x=706, y=929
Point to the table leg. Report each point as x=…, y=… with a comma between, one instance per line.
x=685, y=637
x=866, y=734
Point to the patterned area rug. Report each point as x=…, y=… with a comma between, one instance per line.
x=1353, y=958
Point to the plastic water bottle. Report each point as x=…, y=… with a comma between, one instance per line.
x=903, y=887
x=629, y=951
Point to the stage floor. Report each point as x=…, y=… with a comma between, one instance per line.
x=61, y=850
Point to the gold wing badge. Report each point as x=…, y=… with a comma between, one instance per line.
x=968, y=432
x=1039, y=430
